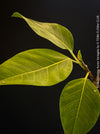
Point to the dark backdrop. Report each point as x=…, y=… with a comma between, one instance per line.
x=34, y=109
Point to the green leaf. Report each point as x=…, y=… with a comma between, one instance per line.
x=41, y=67
x=79, y=55
x=79, y=106
x=57, y=34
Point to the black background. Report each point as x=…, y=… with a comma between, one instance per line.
x=31, y=109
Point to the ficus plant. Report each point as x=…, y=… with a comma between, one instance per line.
x=79, y=102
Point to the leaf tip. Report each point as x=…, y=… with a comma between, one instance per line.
x=16, y=14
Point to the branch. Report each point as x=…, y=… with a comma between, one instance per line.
x=95, y=80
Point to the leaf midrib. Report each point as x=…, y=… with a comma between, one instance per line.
x=77, y=114
x=46, y=67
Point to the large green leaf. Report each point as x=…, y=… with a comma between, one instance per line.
x=42, y=67
x=57, y=34
x=79, y=106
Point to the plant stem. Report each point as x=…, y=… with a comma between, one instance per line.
x=88, y=70
x=84, y=66
x=74, y=56
x=76, y=59
x=87, y=74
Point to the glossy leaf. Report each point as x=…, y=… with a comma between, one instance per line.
x=79, y=106
x=57, y=34
x=42, y=67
